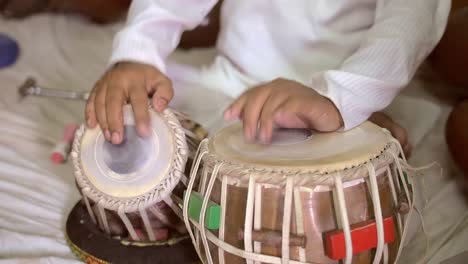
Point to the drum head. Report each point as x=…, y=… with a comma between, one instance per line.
x=302, y=149
x=135, y=168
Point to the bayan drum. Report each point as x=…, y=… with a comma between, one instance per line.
x=304, y=198
x=131, y=192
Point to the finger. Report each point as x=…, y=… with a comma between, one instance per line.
x=234, y=111
x=400, y=134
x=252, y=110
x=286, y=115
x=139, y=102
x=162, y=93
x=114, y=113
x=90, y=113
x=162, y=97
x=266, y=117
x=315, y=115
x=386, y=122
x=100, y=107
x=408, y=149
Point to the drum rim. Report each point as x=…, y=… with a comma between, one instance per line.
x=158, y=192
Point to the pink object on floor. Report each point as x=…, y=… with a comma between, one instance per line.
x=62, y=149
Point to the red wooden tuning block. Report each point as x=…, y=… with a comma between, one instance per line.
x=363, y=236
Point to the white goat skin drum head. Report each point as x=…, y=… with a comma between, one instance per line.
x=132, y=168
x=300, y=148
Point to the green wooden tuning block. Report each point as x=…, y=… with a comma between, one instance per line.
x=407, y=179
x=213, y=211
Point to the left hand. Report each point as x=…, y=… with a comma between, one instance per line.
x=283, y=103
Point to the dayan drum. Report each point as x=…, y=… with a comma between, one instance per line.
x=305, y=198
x=131, y=192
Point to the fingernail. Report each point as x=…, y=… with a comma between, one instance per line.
x=115, y=138
x=107, y=135
x=161, y=103
x=249, y=136
x=263, y=137
x=90, y=123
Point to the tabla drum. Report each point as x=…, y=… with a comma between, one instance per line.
x=339, y=197
x=131, y=193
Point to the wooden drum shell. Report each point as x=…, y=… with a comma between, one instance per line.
x=319, y=217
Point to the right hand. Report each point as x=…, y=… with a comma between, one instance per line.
x=127, y=82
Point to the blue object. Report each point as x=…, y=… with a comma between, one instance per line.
x=9, y=51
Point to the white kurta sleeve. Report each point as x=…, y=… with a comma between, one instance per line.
x=403, y=35
x=154, y=28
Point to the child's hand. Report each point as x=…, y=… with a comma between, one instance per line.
x=127, y=82
x=286, y=104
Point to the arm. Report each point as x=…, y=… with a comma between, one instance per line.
x=154, y=28
x=404, y=33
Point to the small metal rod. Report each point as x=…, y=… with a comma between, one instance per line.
x=30, y=87
x=274, y=238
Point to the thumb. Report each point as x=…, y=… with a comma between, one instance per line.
x=162, y=94
x=318, y=115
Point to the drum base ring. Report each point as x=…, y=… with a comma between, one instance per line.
x=93, y=246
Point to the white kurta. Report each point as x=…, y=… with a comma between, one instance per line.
x=358, y=53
